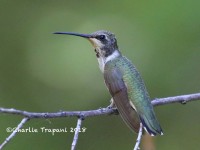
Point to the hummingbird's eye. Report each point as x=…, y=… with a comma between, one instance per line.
x=102, y=37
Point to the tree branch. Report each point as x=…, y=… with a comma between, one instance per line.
x=183, y=99
x=137, y=144
x=89, y=113
x=78, y=127
x=20, y=125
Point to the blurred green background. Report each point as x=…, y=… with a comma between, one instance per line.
x=43, y=72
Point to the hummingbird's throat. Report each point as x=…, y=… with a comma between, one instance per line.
x=97, y=53
x=103, y=51
x=100, y=53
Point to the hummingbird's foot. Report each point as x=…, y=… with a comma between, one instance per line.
x=112, y=104
x=116, y=112
x=110, y=107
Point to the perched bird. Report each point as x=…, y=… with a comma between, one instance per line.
x=124, y=83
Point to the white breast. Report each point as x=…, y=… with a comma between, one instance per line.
x=101, y=63
x=103, y=60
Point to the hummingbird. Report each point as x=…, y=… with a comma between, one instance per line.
x=124, y=82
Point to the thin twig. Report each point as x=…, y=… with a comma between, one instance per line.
x=20, y=125
x=137, y=144
x=183, y=99
x=78, y=127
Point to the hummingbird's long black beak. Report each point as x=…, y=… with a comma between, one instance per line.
x=75, y=34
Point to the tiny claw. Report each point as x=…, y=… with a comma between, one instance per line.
x=116, y=112
x=109, y=107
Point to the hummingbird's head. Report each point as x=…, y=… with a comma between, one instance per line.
x=104, y=42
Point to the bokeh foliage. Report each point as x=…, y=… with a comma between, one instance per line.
x=43, y=72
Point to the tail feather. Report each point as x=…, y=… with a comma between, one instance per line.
x=152, y=127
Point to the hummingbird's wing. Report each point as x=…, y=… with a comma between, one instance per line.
x=118, y=90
